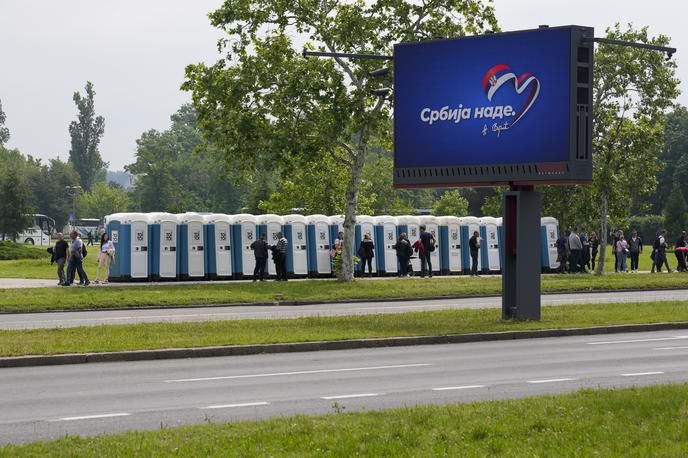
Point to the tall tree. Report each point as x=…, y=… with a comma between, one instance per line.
x=47, y=184
x=633, y=89
x=676, y=212
x=103, y=199
x=4, y=131
x=264, y=105
x=451, y=203
x=14, y=194
x=86, y=133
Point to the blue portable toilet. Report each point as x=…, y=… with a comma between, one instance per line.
x=294, y=230
x=318, y=242
x=469, y=224
x=490, y=233
x=270, y=225
x=218, y=238
x=191, y=245
x=162, y=229
x=365, y=225
x=450, y=245
x=385, y=238
x=129, y=234
x=549, y=232
x=431, y=225
x=244, y=233
x=500, y=239
x=410, y=225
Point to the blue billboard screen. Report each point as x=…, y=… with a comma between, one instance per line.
x=487, y=100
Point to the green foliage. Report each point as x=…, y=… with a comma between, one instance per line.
x=4, y=131
x=11, y=251
x=48, y=193
x=647, y=226
x=676, y=213
x=86, y=134
x=674, y=159
x=452, y=203
x=14, y=194
x=103, y=199
x=492, y=206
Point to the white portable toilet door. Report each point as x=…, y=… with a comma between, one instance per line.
x=492, y=247
x=390, y=234
x=223, y=250
x=196, y=250
x=435, y=255
x=273, y=229
x=248, y=236
x=299, y=248
x=139, y=250
x=168, y=250
x=454, y=243
x=323, y=248
x=413, y=236
x=368, y=228
x=551, y=230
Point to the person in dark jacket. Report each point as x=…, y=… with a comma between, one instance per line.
x=474, y=245
x=680, y=254
x=366, y=252
x=280, y=257
x=428, y=241
x=59, y=255
x=635, y=247
x=562, y=244
x=260, y=251
x=404, y=250
x=594, y=248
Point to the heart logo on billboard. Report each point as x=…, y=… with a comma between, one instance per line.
x=501, y=74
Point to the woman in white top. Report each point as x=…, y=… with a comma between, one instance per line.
x=105, y=257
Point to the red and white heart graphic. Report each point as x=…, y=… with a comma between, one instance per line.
x=500, y=74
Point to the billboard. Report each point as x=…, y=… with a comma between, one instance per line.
x=494, y=109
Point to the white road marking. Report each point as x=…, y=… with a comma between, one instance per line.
x=279, y=374
x=244, y=404
x=637, y=374
x=637, y=340
x=349, y=396
x=465, y=387
x=671, y=348
x=551, y=380
x=91, y=417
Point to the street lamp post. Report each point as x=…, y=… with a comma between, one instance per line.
x=73, y=191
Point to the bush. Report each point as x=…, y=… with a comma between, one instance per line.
x=647, y=227
x=10, y=250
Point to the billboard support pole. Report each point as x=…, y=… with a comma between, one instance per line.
x=521, y=269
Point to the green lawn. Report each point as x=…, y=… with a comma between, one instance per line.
x=243, y=332
x=633, y=422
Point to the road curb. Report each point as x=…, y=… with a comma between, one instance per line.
x=242, y=350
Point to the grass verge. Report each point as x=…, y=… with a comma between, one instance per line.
x=46, y=299
x=632, y=422
x=244, y=332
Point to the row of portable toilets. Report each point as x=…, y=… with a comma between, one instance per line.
x=193, y=246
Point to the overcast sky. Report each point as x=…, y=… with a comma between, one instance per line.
x=135, y=51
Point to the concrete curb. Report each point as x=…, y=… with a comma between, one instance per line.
x=239, y=350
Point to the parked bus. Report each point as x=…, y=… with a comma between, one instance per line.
x=40, y=233
x=85, y=225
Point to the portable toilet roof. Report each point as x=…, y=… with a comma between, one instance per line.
x=362, y=219
x=242, y=218
x=268, y=218
x=217, y=218
x=189, y=217
x=499, y=221
x=290, y=219
x=336, y=219
x=488, y=220
x=465, y=220
x=115, y=217
x=407, y=219
x=385, y=219
x=161, y=217
x=314, y=219
x=549, y=220
x=134, y=217
x=446, y=220
x=428, y=219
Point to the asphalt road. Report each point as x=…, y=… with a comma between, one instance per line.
x=185, y=314
x=48, y=402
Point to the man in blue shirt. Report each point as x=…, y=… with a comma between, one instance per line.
x=75, y=260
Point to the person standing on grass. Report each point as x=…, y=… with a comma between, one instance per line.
x=428, y=241
x=281, y=257
x=366, y=252
x=679, y=253
x=90, y=238
x=105, y=256
x=635, y=246
x=594, y=248
x=660, y=247
x=75, y=258
x=260, y=251
x=575, y=246
x=60, y=256
x=621, y=248
x=404, y=250
x=562, y=244
x=585, y=251
x=474, y=246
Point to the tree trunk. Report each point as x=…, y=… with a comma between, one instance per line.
x=604, y=230
x=351, y=206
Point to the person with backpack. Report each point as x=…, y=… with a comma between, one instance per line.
x=106, y=255
x=635, y=246
x=260, y=252
x=660, y=247
x=404, y=252
x=366, y=252
x=428, y=241
x=75, y=257
x=474, y=246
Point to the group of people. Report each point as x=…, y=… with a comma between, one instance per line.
x=72, y=255
x=279, y=256
x=577, y=252
x=424, y=247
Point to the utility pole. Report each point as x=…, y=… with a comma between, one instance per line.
x=73, y=191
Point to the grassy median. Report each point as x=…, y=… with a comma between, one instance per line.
x=244, y=332
x=632, y=422
x=54, y=298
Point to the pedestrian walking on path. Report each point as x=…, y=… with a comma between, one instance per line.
x=106, y=255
